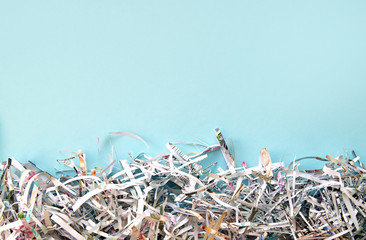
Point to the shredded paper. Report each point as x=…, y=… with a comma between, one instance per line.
x=172, y=196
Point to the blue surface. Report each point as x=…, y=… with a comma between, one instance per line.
x=286, y=75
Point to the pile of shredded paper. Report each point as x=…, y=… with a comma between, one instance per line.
x=171, y=196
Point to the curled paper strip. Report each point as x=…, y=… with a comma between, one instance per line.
x=171, y=196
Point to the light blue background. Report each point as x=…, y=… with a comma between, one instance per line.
x=286, y=75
